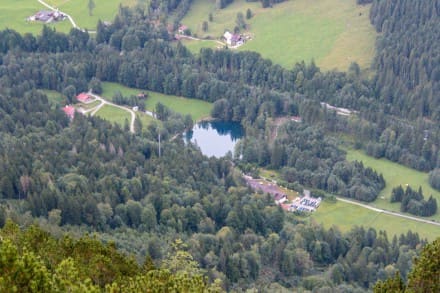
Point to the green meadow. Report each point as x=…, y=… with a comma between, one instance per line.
x=333, y=33
x=55, y=98
x=196, y=108
x=114, y=114
x=13, y=14
x=345, y=216
x=105, y=10
x=89, y=106
x=395, y=175
x=145, y=119
x=195, y=46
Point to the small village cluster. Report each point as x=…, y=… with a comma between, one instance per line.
x=305, y=203
x=47, y=16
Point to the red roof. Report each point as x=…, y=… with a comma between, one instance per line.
x=285, y=206
x=70, y=111
x=82, y=97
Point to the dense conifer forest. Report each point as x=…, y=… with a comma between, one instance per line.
x=181, y=208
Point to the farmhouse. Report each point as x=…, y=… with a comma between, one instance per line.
x=296, y=119
x=280, y=198
x=69, y=111
x=47, y=16
x=338, y=110
x=233, y=39
x=182, y=29
x=83, y=98
x=142, y=95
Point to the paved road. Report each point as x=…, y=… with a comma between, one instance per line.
x=105, y=102
x=396, y=214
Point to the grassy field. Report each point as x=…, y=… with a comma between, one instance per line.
x=196, y=108
x=145, y=119
x=332, y=32
x=114, y=115
x=395, y=175
x=89, y=105
x=345, y=216
x=55, y=98
x=13, y=14
x=195, y=46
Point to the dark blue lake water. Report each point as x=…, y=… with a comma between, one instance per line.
x=215, y=138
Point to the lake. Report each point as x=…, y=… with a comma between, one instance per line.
x=215, y=138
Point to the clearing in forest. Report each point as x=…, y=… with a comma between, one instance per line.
x=333, y=33
x=196, y=108
x=395, y=175
x=114, y=115
x=13, y=14
x=345, y=216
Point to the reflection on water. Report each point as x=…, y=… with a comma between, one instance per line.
x=215, y=138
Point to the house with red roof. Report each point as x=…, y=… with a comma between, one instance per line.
x=70, y=111
x=83, y=97
x=182, y=29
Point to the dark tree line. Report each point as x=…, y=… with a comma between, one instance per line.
x=413, y=201
x=407, y=61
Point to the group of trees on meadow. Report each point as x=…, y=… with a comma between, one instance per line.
x=413, y=201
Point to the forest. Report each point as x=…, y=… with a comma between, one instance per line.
x=89, y=176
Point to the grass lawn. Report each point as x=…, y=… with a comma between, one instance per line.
x=195, y=46
x=105, y=10
x=332, y=32
x=55, y=98
x=269, y=174
x=89, y=105
x=13, y=14
x=395, y=175
x=196, y=108
x=145, y=119
x=114, y=115
x=345, y=216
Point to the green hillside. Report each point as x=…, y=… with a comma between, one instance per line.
x=334, y=33
x=13, y=14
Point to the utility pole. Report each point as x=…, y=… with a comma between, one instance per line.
x=159, y=143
